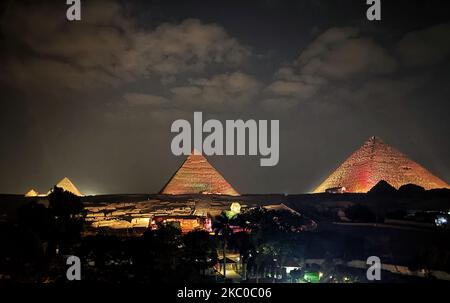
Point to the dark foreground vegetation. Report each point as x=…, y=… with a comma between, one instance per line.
x=271, y=246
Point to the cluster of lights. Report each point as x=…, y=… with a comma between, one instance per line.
x=441, y=221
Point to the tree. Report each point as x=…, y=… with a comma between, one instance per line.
x=221, y=226
x=411, y=190
x=64, y=204
x=242, y=242
x=360, y=213
x=296, y=274
x=157, y=254
x=38, y=218
x=200, y=249
x=274, y=238
x=67, y=209
x=382, y=188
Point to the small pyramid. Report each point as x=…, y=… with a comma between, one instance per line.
x=197, y=176
x=67, y=185
x=376, y=161
x=32, y=193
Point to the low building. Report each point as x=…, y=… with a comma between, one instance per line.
x=186, y=223
x=336, y=190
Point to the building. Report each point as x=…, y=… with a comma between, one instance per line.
x=336, y=190
x=185, y=223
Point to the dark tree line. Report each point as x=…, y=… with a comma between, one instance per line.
x=40, y=235
x=267, y=241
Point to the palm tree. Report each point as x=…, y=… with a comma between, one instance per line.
x=242, y=242
x=221, y=226
x=200, y=249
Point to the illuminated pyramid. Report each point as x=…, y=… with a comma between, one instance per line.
x=67, y=185
x=376, y=161
x=196, y=176
x=31, y=193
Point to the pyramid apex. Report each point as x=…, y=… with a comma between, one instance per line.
x=195, y=152
x=375, y=138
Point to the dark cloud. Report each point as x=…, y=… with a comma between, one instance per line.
x=231, y=90
x=340, y=53
x=135, y=99
x=426, y=46
x=94, y=99
x=109, y=48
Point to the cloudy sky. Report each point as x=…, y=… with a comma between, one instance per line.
x=94, y=99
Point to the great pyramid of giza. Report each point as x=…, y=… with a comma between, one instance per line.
x=376, y=161
x=67, y=185
x=196, y=176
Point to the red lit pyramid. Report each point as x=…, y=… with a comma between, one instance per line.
x=197, y=176
x=376, y=161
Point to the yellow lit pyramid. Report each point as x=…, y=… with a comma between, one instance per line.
x=31, y=193
x=67, y=185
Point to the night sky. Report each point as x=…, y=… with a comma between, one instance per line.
x=94, y=99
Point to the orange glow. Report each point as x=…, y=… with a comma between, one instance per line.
x=376, y=161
